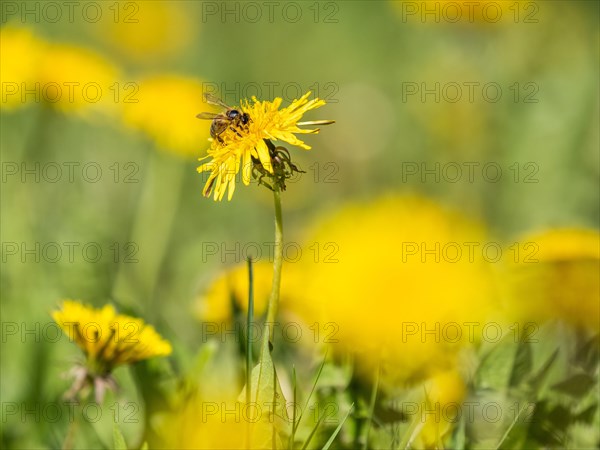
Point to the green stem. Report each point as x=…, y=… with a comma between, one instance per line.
x=249, y=321
x=277, y=264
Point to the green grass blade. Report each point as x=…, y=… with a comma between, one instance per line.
x=294, y=400
x=371, y=409
x=511, y=426
x=337, y=430
x=313, y=431
x=295, y=427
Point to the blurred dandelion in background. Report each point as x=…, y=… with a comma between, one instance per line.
x=229, y=291
x=556, y=276
x=214, y=422
x=384, y=281
x=147, y=32
x=15, y=69
x=108, y=340
x=78, y=80
x=175, y=129
x=443, y=391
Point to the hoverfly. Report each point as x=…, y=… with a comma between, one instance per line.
x=230, y=118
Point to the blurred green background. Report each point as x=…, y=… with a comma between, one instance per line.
x=146, y=212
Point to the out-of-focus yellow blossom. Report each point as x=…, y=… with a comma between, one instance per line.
x=146, y=30
x=231, y=287
x=445, y=392
x=109, y=339
x=229, y=290
x=215, y=424
x=395, y=290
x=555, y=275
x=237, y=147
x=75, y=79
x=21, y=52
x=166, y=112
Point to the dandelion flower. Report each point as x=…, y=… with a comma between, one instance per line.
x=78, y=80
x=246, y=147
x=396, y=288
x=217, y=422
x=108, y=340
x=230, y=290
x=166, y=113
x=21, y=52
x=555, y=275
x=148, y=30
x=445, y=391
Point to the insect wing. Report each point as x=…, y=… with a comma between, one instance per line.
x=209, y=116
x=209, y=98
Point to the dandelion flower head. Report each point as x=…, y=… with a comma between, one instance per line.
x=556, y=275
x=236, y=147
x=109, y=339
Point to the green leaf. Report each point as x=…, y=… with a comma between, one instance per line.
x=576, y=386
x=522, y=364
x=118, y=439
x=538, y=379
x=587, y=415
x=588, y=354
x=459, y=436
x=496, y=368
x=311, y=392
x=267, y=394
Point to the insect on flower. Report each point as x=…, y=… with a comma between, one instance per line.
x=248, y=141
x=230, y=118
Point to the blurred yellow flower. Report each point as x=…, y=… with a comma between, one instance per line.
x=76, y=79
x=21, y=51
x=109, y=339
x=166, y=112
x=64, y=76
x=555, y=275
x=408, y=286
x=144, y=31
x=445, y=392
x=215, y=423
x=231, y=287
x=240, y=145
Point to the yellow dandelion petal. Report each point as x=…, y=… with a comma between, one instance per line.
x=262, y=151
x=247, y=168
